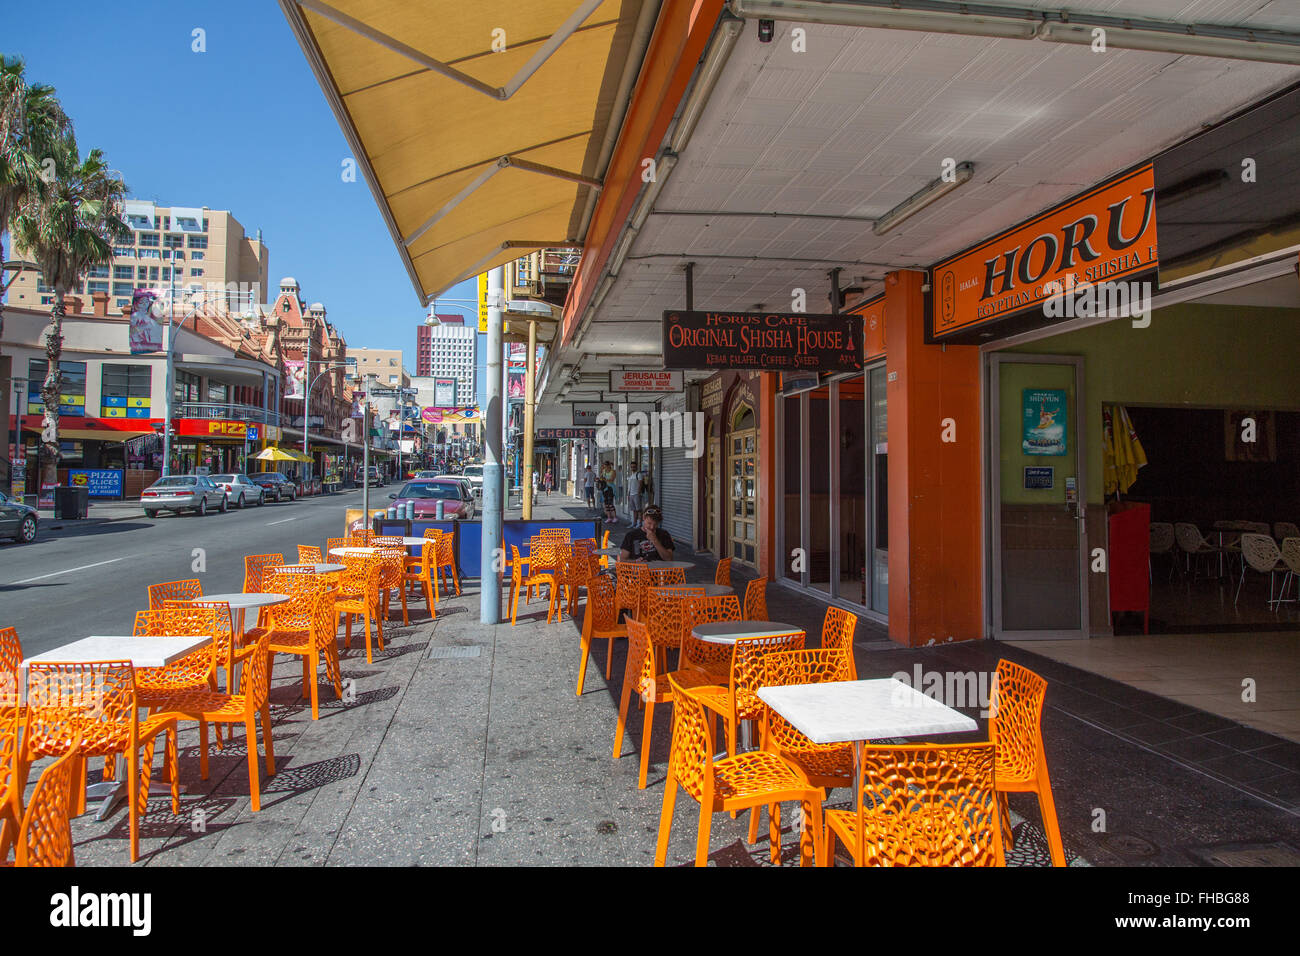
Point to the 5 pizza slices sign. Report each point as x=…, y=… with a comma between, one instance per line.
x=1101, y=236
x=762, y=341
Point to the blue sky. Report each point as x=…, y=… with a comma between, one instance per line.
x=242, y=126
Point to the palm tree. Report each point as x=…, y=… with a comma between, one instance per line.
x=68, y=231
x=31, y=122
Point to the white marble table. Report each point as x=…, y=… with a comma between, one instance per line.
x=319, y=568
x=862, y=710
x=855, y=711
x=717, y=590
x=140, y=651
x=608, y=552
x=414, y=542
x=668, y=565
x=240, y=602
x=728, y=632
x=340, y=552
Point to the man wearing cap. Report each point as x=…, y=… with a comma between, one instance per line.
x=648, y=542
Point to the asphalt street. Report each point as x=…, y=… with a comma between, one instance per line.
x=70, y=584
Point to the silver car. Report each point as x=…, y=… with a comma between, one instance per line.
x=240, y=490
x=183, y=492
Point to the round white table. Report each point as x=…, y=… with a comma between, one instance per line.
x=340, y=552
x=717, y=590
x=320, y=568
x=413, y=542
x=239, y=603
x=608, y=552
x=667, y=565
x=728, y=632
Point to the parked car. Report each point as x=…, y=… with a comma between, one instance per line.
x=240, y=489
x=469, y=489
x=376, y=477
x=458, y=502
x=274, y=483
x=425, y=474
x=17, y=520
x=179, y=493
x=475, y=475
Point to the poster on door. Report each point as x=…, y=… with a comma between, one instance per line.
x=1044, y=421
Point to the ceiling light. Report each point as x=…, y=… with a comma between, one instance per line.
x=888, y=18
x=921, y=198
x=1190, y=44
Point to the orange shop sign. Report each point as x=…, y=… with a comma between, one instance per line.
x=1104, y=235
x=215, y=428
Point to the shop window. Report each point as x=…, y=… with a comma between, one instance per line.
x=72, y=396
x=125, y=391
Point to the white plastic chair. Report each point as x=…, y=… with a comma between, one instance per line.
x=1261, y=553
x=1192, y=543
x=1285, y=529
x=1291, y=558
x=1162, y=542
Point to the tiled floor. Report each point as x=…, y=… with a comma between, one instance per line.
x=1251, y=678
x=1212, y=604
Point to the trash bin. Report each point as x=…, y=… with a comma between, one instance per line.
x=71, y=502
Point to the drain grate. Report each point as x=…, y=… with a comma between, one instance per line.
x=1249, y=854
x=446, y=652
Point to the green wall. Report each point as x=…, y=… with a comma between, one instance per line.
x=1194, y=355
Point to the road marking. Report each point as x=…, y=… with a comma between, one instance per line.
x=282, y=521
x=55, y=574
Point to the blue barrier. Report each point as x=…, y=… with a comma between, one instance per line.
x=468, y=536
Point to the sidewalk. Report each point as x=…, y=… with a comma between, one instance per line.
x=464, y=743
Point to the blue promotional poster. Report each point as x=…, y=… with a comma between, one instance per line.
x=1045, y=424
x=101, y=482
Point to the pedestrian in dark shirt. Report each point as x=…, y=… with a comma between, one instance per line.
x=648, y=542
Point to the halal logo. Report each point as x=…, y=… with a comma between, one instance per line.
x=948, y=297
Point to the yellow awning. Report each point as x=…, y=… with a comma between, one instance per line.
x=476, y=155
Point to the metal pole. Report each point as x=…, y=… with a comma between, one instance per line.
x=492, y=541
x=171, y=375
x=530, y=405
x=365, y=458
x=306, y=409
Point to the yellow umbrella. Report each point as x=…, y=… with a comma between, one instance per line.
x=275, y=454
x=1124, y=454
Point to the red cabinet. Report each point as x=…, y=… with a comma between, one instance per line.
x=1128, y=558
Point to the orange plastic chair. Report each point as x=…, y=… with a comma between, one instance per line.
x=630, y=584
x=541, y=570
x=714, y=660
x=1015, y=727
x=255, y=566
x=430, y=535
x=392, y=565
x=659, y=577
x=642, y=674
x=756, y=600
x=361, y=538
x=306, y=626
x=45, y=836
x=837, y=633
x=173, y=591
x=308, y=554
x=604, y=558
x=209, y=707
x=821, y=765
x=387, y=541
x=11, y=796
x=921, y=805
x=97, y=703
x=722, y=575
x=423, y=577
x=666, y=616
x=154, y=685
x=332, y=544
x=11, y=653
x=555, y=534
x=739, y=699
x=446, y=561
x=581, y=569
x=359, y=597
x=736, y=783
x=599, y=622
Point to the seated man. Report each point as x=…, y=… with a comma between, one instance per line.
x=648, y=542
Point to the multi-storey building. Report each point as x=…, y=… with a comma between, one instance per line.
x=449, y=351
x=384, y=364
x=202, y=253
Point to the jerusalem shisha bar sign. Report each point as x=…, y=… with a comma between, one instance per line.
x=763, y=341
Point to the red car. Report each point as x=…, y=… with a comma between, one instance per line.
x=458, y=504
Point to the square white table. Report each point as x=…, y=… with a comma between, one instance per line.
x=855, y=711
x=141, y=652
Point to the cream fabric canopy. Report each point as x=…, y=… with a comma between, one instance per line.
x=483, y=127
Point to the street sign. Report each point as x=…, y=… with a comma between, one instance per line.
x=762, y=341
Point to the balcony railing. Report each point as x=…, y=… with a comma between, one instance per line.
x=230, y=411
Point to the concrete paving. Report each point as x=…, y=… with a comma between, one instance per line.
x=465, y=744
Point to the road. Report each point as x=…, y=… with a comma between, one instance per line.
x=63, y=587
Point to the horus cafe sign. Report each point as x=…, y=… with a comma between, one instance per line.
x=762, y=341
x=1103, y=236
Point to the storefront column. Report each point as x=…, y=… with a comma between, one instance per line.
x=935, y=559
x=769, y=563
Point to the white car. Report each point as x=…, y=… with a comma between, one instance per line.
x=183, y=493
x=474, y=475
x=240, y=490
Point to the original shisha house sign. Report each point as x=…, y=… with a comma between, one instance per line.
x=763, y=341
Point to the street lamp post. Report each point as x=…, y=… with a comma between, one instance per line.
x=169, y=397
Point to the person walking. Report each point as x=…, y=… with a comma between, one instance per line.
x=537, y=484
x=634, y=503
x=548, y=482
x=589, y=486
